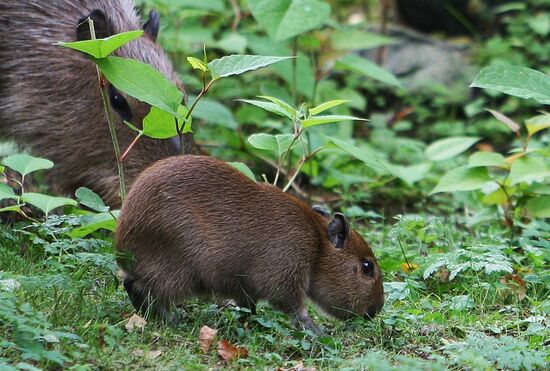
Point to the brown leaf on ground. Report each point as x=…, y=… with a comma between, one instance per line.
x=229, y=352
x=135, y=322
x=299, y=367
x=154, y=354
x=207, y=336
x=516, y=284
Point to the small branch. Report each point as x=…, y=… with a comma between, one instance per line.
x=238, y=14
x=123, y=157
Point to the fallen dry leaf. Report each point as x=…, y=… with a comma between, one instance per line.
x=207, y=336
x=154, y=354
x=135, y=322
x=138, y=353
x=229, y=352
x=299, y=367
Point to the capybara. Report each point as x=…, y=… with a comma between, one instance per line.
x=50, y=101
x=194, y=225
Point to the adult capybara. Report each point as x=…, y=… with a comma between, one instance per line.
x=50, y=101
x=193, y=225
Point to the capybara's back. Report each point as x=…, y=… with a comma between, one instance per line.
x=50, y=101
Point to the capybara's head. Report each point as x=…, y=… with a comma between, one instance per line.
x=346, y=280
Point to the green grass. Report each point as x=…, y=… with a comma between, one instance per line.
x=68, y=309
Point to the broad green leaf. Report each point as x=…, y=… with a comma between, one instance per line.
x=447, y=148
x=14, y=208
x=540, y=23
x=518, y=81
x=264, y=141
x=497, y=197
x=26, y=164
x=362, y=154
x=284, y=141
x=281, y=103
x=243, y=169
x=197, y=64
x=463, y=179
x=528, y=168
x=90, y=199
x=101, y=48
x=487, y=159
x=410, y=174
x=214, y=112
x=537, y=123
x=142, y=82
x=328, y=119
x=357, y=39
x=284, y=19
x=237, y=64
x=268, y=106
x=539, y=207
x=46, y=203
x=367, y=68
x=326, y=105
x=7, y=192
x=159, y=124
x=96, y=221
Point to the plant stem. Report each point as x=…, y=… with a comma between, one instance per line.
x=110, y=122
x=130, y=147
x=294, y=70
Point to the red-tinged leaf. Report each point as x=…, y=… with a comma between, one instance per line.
x=505, y=120
x=230, y=352
x=207, y=336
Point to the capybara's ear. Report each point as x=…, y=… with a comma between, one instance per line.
x=152, y=26
x=338, y=230
x=102, y=26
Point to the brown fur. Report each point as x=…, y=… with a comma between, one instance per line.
x=195, y=226
x=50, y=101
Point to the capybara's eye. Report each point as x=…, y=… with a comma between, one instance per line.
x=119, y=103
x=368, y=267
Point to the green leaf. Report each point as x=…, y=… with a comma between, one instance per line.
x=197, y=64
x=367, y=68
x=214, y=112
x=97, y=221
x=326, y=105
x=26, y=164
x=319, y=120
x=410, y=174
x=497, y=197
x=537, y=123
x=463, y=179
x=243, y=169
x=528, y=168
x=281, y=103
x=487, y=159
x=518, y=81
x=264, y=141
x=268, y=106
x=539, y=207
x=46, y=203
x=237, y=64
x=447, y=148
x=90, y=199
x=7, y=192
x=362, y=154
x=358, y=39
x=159, y=124
x=14, y=208
x=142, y=82
x=284, y=141
x=101, y=48
x=284, y=19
